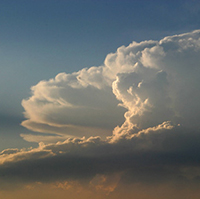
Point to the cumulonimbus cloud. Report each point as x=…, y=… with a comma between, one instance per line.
x=156, y=135
x=155, y=81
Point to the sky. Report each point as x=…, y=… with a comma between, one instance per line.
x=99, y=99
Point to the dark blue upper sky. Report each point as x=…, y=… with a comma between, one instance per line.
x=40, y=38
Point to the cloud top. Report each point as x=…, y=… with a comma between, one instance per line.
x=155, y=81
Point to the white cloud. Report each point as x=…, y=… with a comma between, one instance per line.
x=162, y=83
x=156, y=81
x=73, y=104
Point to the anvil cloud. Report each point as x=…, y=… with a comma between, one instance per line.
x=155, y=81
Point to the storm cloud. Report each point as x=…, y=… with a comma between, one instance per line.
x=154, y=81
x=134, y=119
x=154, y=155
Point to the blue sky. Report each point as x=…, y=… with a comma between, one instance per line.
x=79, y=58
x=40, y=39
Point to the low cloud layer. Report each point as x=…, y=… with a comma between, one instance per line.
x=158, y=155
x=133, y=120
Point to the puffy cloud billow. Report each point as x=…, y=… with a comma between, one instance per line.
x=134, y=119
x=155, y=81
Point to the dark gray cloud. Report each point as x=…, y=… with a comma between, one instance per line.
x=152, y=155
